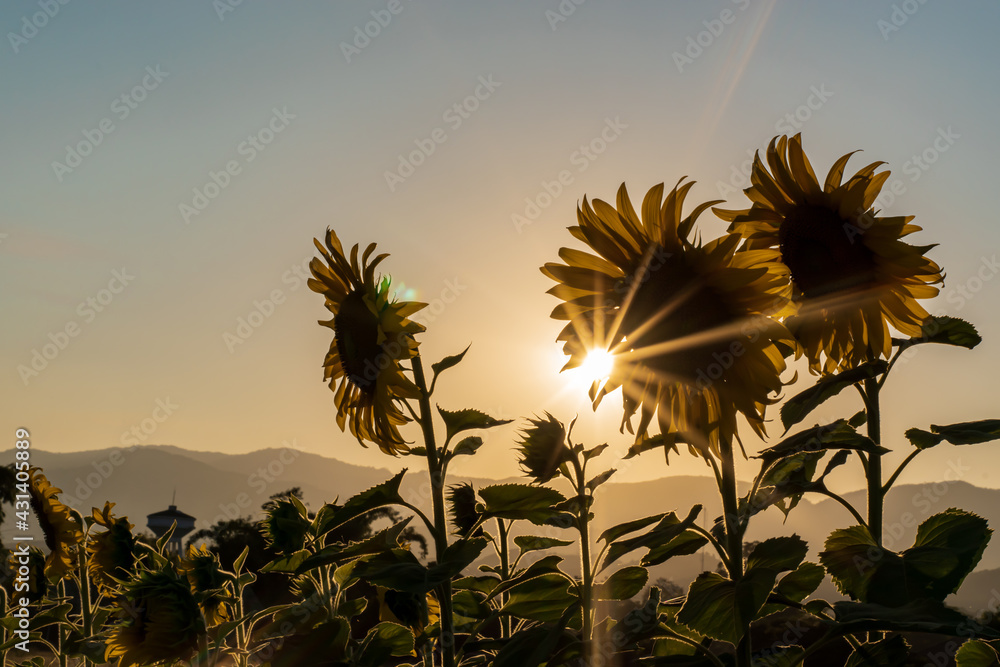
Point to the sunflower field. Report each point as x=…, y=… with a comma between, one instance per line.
x=701, y=337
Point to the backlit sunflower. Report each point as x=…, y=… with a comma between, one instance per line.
x=111, y=552
x=372, y=335
x=160, y=621
x=852, y=275
x=685, y=322
x=63, y=531
x=208, y=583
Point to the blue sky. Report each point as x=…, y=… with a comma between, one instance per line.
x=220, y=138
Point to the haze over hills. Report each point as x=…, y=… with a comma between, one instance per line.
x=213, y=486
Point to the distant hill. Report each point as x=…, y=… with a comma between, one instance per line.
x=212, y=486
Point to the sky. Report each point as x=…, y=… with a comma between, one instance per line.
x=166, y=167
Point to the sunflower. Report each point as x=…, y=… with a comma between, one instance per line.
x=161, y=621
x=62, y=530
x=543, y=448
x=208, y=583
x=372, y=335
x=687, y=323
x=111, y=552
x=852, y=276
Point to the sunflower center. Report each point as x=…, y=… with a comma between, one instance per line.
x=356, y=330
x=674, y=304
x=824, y=252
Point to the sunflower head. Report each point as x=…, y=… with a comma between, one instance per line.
x=852, y=275
x=690, y=325
x=111, y=552
x=373, y=335
x=160, y=620
x=543, y=448
x=286, y=525
x=208, y=583
x=60, y=525
x=462, y=507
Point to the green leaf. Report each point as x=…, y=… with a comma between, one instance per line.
x=796, y=408
x=543, y=566
x=915, y=616
x=891, y=652
x=965, y=433
x=613, y=533
x=288, y=563
x=668, y=528
x=545, y=598
x=719, y=608
x=946, y=330
x=484, y=585
x=778, y=554
x=467, y=446
x=386, y=640
x=684, y=544
x=600, y=479
x=946, y=549
x=976, y=653
x=448, y=362
x=800, y=583
x=532, y=647
x=521, y=501
x=623, y=584
x=238, y=563
x=464, y=420
x=528, y=543
x=594, y=452
x=381, y=541
x=785, y=482
x=386, y=493
x=838, y=435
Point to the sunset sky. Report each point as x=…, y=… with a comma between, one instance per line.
x=167, y=165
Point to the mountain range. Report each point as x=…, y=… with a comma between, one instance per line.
x=213, y=486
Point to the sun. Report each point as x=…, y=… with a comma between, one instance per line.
x=597, y=365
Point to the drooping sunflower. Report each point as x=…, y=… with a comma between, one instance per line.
x=689, y=324
x=208, y=583
x=160, y=620
x=852, y=276
x=112, y=555
x=543, y=449
x=372, y=336
x=62, y=530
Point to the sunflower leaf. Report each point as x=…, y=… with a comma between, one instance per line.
x=467, y=446
x=720, y=608
x=384, y=641
x=446, y=363
x=659, y=537
x=946, y=330
x=796, y=408
x=464, y=420
x=623, y=584
x=964, y=433
x=838, y=435
x=600, y=479
x=528, y=543
x=521, y=501
x=613, y=533
x=386, y=493
x=545, y=598
x=976, y=653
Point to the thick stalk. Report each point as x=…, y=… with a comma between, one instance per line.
x=63, y=660
x=734, y=541
x=87, y=612
x=504, y=573
x=875, y=495
x=587, y=591
x=435, y=467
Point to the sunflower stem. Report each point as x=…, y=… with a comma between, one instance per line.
x=87, y=612
x=875, y=491
x=734, y=541
x=504, y=553
x=436, y=470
